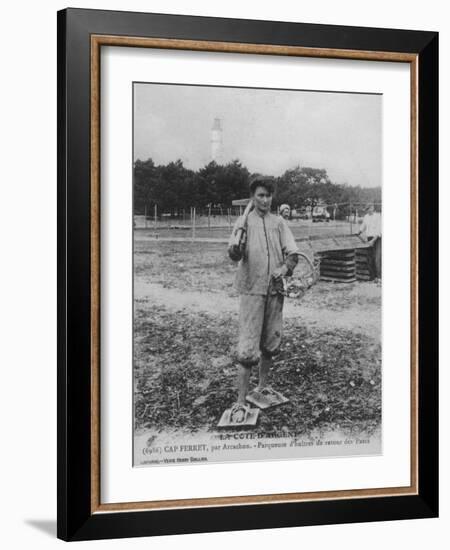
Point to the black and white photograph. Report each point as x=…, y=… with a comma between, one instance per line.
x=257, y=274
x=170, y=377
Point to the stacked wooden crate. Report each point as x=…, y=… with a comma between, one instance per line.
x=363, y=271
x=339, y=256
x=338, y=266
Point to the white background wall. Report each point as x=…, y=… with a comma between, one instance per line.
x=28, y=272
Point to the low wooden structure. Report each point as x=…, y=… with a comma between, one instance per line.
x=363, y=268
x=338, y=266
x=343, y=258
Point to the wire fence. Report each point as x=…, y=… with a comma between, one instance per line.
x=217, y=223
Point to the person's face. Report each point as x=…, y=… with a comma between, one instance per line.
x=286, y=213
x=262, y=199
x=371, y=210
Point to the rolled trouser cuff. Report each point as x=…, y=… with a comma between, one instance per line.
x=248, y=360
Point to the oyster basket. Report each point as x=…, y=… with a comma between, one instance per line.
x=297, y=287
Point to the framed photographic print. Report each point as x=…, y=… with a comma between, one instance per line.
x=247, y=254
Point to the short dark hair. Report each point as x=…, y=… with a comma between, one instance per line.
x=262, y=181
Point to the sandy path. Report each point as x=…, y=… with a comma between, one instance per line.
x=364, y=319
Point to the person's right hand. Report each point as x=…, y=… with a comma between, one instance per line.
x=235, y=252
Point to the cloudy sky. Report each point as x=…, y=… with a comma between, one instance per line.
x=269, y=131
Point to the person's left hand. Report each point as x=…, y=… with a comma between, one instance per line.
x=279, y=272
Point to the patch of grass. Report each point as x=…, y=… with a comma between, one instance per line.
x=185, y=265
x=185, y=376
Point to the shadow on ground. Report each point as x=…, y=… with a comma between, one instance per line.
x=46, y=526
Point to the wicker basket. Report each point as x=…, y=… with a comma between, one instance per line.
x=307, y=274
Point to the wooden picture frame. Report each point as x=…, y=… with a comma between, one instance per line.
x=81, y=35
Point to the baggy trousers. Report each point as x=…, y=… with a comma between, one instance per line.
x=260, y=327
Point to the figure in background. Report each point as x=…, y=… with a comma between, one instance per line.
x=285, y=211
x=371, y=226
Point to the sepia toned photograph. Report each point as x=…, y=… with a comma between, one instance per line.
x=257, y=274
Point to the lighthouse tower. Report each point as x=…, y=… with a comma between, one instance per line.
x=216, y=141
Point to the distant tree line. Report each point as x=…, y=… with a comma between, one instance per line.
x=173, y=188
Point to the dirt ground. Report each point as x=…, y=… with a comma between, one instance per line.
x=185, y=330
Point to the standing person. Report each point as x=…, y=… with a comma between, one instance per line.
x=371, y=225
x=285, y=211
x=269, y=254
